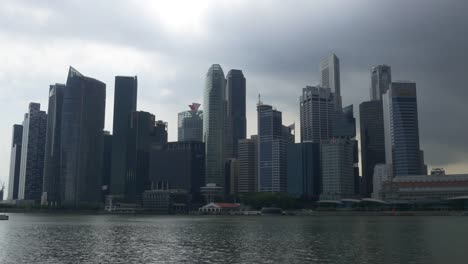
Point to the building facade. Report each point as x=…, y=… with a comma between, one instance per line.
x=82, y=142
x=32, y=154
x=178, y=165
x=401, y=129
x=382, y=175
x=236, y=107
x=247, y=163
x=330, y=77
x=304, y=174
x=372, y=142
x=214, y=124
x=15, y=162
x=316, y=114
x=51, y=181
x=125, y=103
x=381, y=78
x=338, y=173
x=190, y=124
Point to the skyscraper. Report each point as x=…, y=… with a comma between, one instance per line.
x=247, y=163
x=304, y=178
x=15, y=162
x=125, y=103
x=213, y=125
x=330, y=77
x=372, y=142
x=107, y=163
x=401, y=127
x=140, y=140
x=32, y=153
x=82, y=142
x=51, y=181
x=273, y=140
x=190, y=124
x=236, y=94
x=316, y=114
x=381, y=77
x=338, y=173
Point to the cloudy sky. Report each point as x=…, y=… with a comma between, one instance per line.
x=278, y=44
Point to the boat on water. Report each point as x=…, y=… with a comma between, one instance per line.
x=4, y=217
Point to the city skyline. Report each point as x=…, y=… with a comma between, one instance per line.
x=165, y=92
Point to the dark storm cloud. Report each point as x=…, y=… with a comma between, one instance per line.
x=278, y=45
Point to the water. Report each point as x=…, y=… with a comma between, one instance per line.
x=41, y=238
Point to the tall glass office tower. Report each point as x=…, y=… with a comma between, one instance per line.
x=330, y=77
x=190, y=124
x=381, y=77
x=82, y=142
x=15, y=162
x=213, y=125
x=236, y=107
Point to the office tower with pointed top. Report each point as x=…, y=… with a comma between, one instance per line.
x=51, y=183
x=381, y=78
x=236, y=108
x=190, y=124
x=15, y=162
x=317, y=109
x=32, y=153
x=82, y=142
x=330, y=77
x=125, y=103
x=214, y=124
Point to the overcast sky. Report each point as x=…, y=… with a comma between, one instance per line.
x=170, y=45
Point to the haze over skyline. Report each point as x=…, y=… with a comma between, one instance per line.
x=277, y=45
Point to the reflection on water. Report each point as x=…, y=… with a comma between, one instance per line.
x=38, y=238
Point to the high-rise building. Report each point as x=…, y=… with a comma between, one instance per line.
x=236, y=109
x=381, y=77
x=32, y=153
x=344, y=123
x=190, y=124
x=83, y=111
x=51, y=181
x=125, y=103
x=15, y=162
x=304, y=178
x=214, y=124
x=231, y=170
x=247, y=162
x=338, y=173
x=159, y=135
x=330, y=77
x=106, y=163
x=273, y=140
x=316, y=114
x=141, y=137
x=372, y=142
x=401, y=127
x=178, y=165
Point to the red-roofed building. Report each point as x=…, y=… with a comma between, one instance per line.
x=219, y=208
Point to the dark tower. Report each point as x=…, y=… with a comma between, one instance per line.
x=236, y=93
x=125, y=101
x=15, y=162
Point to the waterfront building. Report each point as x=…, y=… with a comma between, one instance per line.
x=425, y=189
x=15, y=162
x=214, y=124
x=125, y=103
x=401, y=129
x=83, y=112
x=317, y=111
x=190, y=124
x=330, y=78
x=382, y=174
x=236, y=108
x=247, y=162
x=106, y=164
x=169, y=201
x=304, y=176
x=51, y=181
x=32, y=154
x=178, y=165
x=272, y=149
x=381, y=78
x=338, y=173
x=372, y=142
